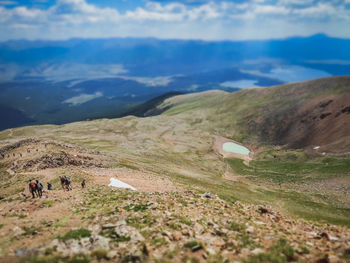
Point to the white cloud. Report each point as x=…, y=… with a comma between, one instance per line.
x=26, y=13
x=208, y=20
x=296, y=73
x=320, y=10
x=271, y=10
x=82, y=98
x=82, y=72
x=4, y=2
x=295, y=2
x=151, y=82
x=241, y=84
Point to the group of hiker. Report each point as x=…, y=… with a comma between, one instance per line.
x=36, y=188
x=3, y=155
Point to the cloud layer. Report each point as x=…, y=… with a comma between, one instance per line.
x=186, y=19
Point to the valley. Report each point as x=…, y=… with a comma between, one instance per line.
x=289, y=201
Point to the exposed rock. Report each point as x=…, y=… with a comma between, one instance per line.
x=123, y=230
x=209, y=195
x=109, y=226
x=17, y=231
x=80, y=246
x=198, y=228
x=112, y=254
x=26, y=252
x=257, y=251
x=250, y=230
x=99, y=242
x=177, y=235
x=264, y=209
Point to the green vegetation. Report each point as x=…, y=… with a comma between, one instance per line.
x=99, y=254
x=291, y=172
x=136, y=208
x=346, y=254
x=159, y=241
x=32, y=230
x=279, y=253
x=193, y=245
x=75, y=234
x=55, y=259
x=234, y=226
x=110, y=233
x=185, y=221
x=48, y=203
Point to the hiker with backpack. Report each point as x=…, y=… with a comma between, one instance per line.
x=68, y=181
x=40, y=188
x=32, y=188
x=83, y=184
x=65, y=182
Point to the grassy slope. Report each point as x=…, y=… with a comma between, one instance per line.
x=259, y=116
x=178, y=144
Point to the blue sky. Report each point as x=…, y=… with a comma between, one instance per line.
x=180, y=19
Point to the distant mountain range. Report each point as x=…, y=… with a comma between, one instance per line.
x=63, y=81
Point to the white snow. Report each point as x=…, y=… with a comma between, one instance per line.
x=117, y=183
x=317, y=147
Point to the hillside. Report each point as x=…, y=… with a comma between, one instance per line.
x=298, y=115
x=286, y=202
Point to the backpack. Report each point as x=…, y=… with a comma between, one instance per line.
x=32, y=185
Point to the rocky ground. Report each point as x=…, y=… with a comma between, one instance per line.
x=188, y=226
x=166, y=220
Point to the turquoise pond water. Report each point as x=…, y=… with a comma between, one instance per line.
x=232, y=147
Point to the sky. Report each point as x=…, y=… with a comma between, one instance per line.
x=173, y=19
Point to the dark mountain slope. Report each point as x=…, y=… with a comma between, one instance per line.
x=297, y=115
x=10, y=118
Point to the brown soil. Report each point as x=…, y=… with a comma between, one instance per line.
x=142, y=181
x=53, y=213
x=28, y=212
x=295, y=120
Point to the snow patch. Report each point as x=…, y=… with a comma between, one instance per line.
x=117, y=183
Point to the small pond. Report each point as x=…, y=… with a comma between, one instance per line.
x=235, y=148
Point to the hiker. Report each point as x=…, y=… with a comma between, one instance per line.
x=32, y=188
x=65, y=183
x=68, y=183
x=83, y=184
x=49, y=186
x=40, y=188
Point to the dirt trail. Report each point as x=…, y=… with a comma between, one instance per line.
x=142, y=181
x=27, y=222
x=30, y=222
